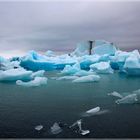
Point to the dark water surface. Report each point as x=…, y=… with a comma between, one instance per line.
x=21, y=108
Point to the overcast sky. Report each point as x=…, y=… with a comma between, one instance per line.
x=59, y=25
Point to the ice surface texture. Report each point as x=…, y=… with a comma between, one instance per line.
x=38, y=81
x=89, y=78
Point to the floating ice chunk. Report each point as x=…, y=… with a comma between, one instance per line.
x=49, y=53
x=34, y=83
x=70, y=70
x=93, y=110
x=106, y=48
x=102, y=67
x=101, y=112
x=132, y=64
x=89, y=78
x=39, y=73
x=116, y=94
x=67, y=78
x=39, y=127
x=84, y=132
x=84, y=73
x=15, y=74
x=56, y=129
x=81, y=49
x=80, y=130
x=130, y=99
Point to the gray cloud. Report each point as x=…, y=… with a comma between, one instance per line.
x=59, y=25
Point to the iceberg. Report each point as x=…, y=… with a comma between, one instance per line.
x=80, y=130
x=67, y=78
x=39, y=127
x=118, y=61
x=132, y=64
x=56, y=129
x=102, y=67
x=33, y=61
x=103, y=48
x=89, y=78
x=81, y=49
x=84, y=73
x=33, y=83
x=50, y=53
x=92, y=111
x=39, y=73
x=99, y=47
x=130, y=99
x=86, y=60
x=15, y=74
x=115, y=94
x=70, y=70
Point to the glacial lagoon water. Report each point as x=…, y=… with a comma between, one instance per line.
x=22, y=108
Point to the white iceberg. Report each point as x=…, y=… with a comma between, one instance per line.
x=84, y=73
x=93, y=110
x=99, y=47
x=81, y=49
x=39, y=73
x=130, y=99
x=70, y=70
x=67, y=78
x=115, y=94
x=102, y=67
x=89, y=78
x=15, y=74
x=80, y=130
x=104, y=48
x=56, y=129
x=38, y=127
x=33, y=83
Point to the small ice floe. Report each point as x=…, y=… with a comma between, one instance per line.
x=67, y=78
x=56, y=129
x=115, y=94
x=39, y=73
x=80, y=130
x=38, y=127
x=130, y=99
x=94, y=111
x=89, y=78
x=38, y=81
